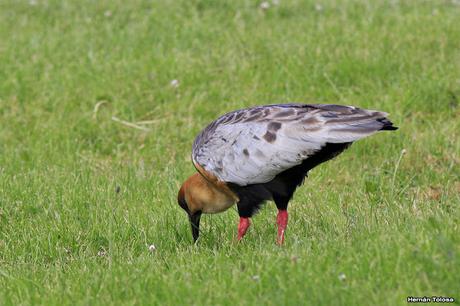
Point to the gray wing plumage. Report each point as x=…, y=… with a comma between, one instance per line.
x=253, y=145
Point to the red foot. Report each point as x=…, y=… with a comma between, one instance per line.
x=243, y=227
x=282, y=221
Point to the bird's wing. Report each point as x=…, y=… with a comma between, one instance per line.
x=253, y=145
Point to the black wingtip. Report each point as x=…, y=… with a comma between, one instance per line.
x=387, y=125
x=390, y=128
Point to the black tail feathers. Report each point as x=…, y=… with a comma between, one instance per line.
x=387, y=124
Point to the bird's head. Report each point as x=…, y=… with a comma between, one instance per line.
x=197, y=195
x=187, y=201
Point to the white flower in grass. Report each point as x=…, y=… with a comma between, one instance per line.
x=403, y=152
x=174, y=83
x=318, y=7
x=276, y=2
x=265, y=5
x=255, y=277
x=152, y=248
x=33, y=2
x=342, y=277
x=108, y=13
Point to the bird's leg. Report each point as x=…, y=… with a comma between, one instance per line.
x=243, y=227
x=282, y=221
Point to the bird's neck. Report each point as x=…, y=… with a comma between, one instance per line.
x=206, y=196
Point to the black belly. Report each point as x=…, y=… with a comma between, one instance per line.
x=283, y=186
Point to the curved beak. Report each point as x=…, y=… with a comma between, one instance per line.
x=195, y=224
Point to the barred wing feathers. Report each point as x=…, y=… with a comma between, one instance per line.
x=253, y=145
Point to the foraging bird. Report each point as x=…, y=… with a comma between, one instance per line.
x=264, y=153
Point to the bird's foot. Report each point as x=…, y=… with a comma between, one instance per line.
x=243, y=227
x=282, y=221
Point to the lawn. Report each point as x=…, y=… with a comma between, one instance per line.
x=95, y=141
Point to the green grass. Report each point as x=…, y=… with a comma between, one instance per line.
x=388, y=222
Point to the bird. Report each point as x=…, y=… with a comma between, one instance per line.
x=264, y=153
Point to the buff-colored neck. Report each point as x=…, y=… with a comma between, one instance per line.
x=205, y=196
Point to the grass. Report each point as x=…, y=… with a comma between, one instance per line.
x=370, y=227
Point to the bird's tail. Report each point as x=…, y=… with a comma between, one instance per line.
x=387, y=124
x=347, y=123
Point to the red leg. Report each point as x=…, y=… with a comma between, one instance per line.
x=282, y=221
x=243, y=227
